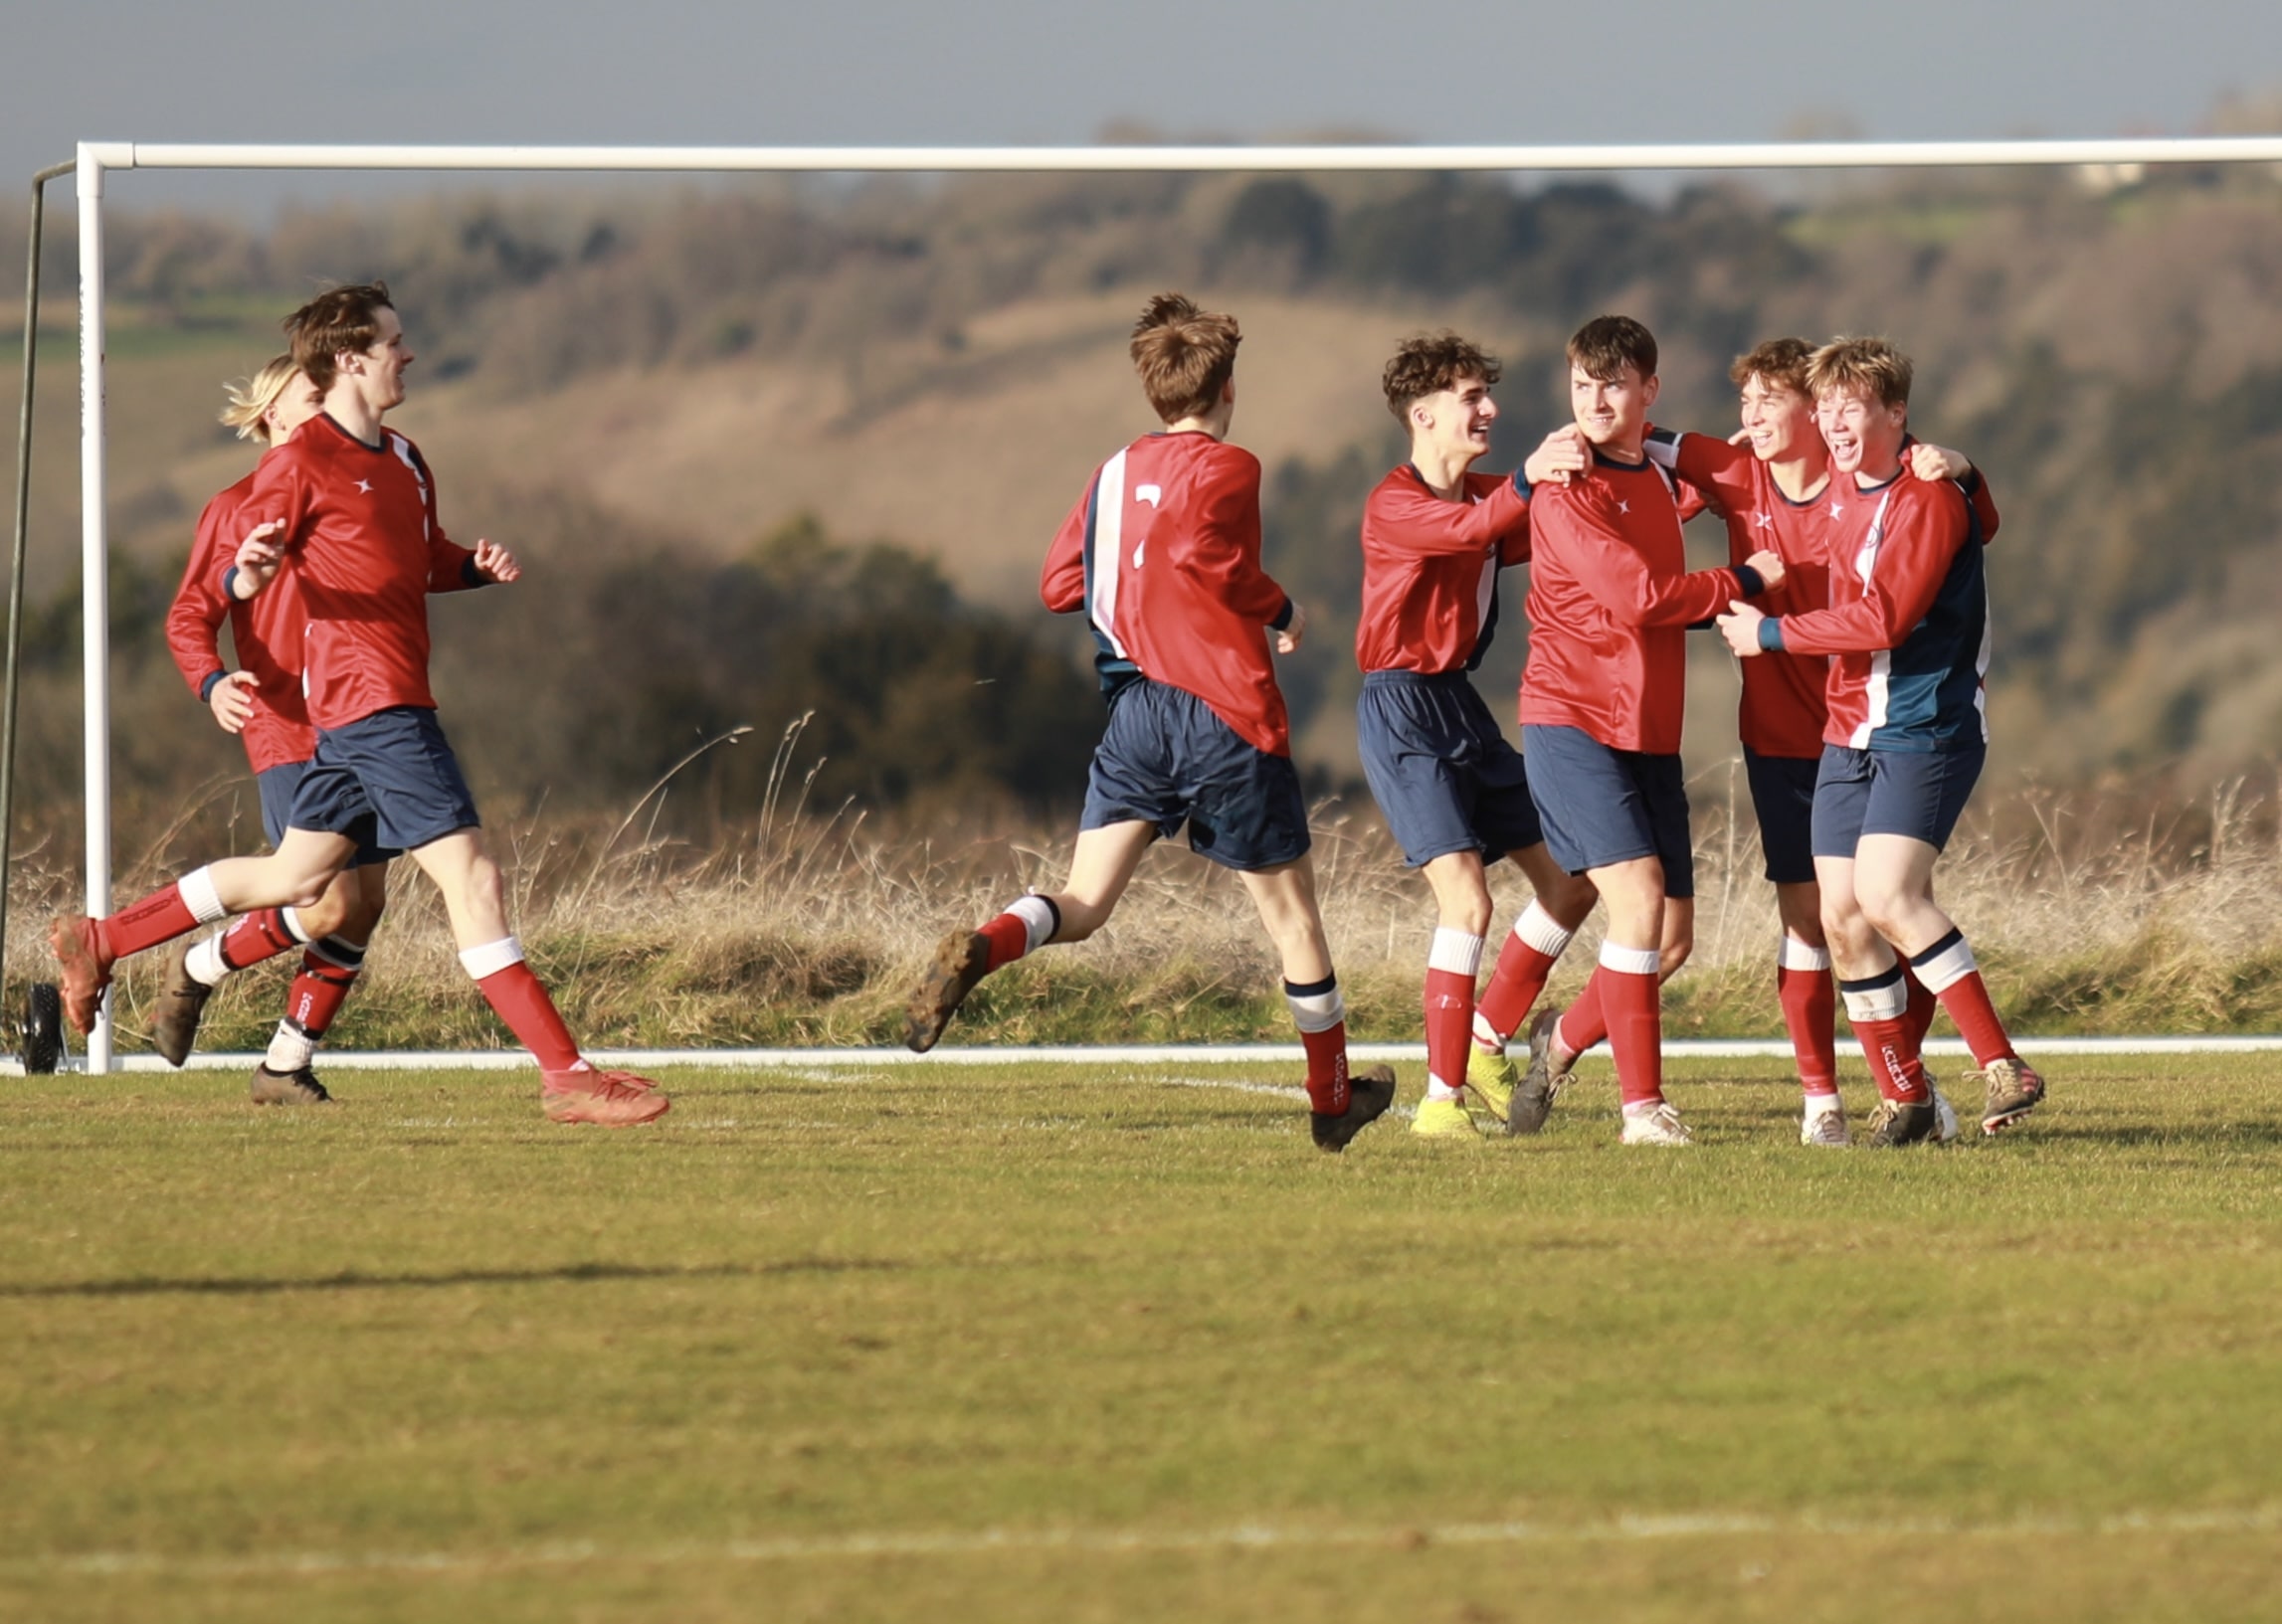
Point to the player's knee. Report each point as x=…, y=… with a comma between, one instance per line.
x=326, y=916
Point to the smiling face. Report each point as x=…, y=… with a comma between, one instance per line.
x=1864, y=434
x=1779, y=418
x=1611, y=412
x=1453, y=424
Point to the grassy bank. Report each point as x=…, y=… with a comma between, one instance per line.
x=2090, y=916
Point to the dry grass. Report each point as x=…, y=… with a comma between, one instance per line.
x=2093, y=913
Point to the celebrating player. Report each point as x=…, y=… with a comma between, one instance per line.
x=1162, y=553
x=350, y=503
x=1770, y=492
x=262, y=703
x=1602, y=703
x=1453, y=791
x=1905, y=741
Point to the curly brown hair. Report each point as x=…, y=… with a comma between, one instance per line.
x=1429, y=363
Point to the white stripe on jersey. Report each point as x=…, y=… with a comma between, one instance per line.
x=1107, y=548
x=1881, y=662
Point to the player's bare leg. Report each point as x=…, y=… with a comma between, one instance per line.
x=474, y=899
x=1894, y=888
x=295, y=875
x=1100, y=869
x=1340, y=1106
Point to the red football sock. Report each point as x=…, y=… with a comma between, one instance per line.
x=160, y=917
x=1026, y=925
x=1320, y=1013
x=1967, y=1001
x=1893, y=1059
x=1629, y=999
x=1923, y=1008
x=515, y=994
x=250, y=938
x=1452, y=966
x=1948, y=967
x=1583, y=1024
x=1523, y=964
x=1810, y=1015
x=318, y=991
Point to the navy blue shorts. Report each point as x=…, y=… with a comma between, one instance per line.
x=1603, y=806
x=1783, y=794
x=1166, y=758
x=1445, y=777
x=279, y=785
x=1916, y=792
x=386, y=780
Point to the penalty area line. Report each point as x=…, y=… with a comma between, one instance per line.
x=1240, y=1536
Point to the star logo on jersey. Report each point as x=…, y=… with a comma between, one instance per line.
x=365, y=486
x=1624, y=506
x=1154, y=495
x=1836, y=511
x=1763, y=521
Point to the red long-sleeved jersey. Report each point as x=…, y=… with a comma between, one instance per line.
x=266, y=631
x=1430, y=571
x=361, y=528
x=1611, y=599
x=1908, y=621
x=1782, y=708
x=1162, y=552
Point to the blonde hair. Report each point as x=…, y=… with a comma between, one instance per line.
x=252, y=397
x=1870, y=367
x=1185, y=356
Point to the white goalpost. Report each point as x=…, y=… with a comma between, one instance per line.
x=2121, y=159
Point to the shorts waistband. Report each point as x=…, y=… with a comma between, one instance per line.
x=1418, y=679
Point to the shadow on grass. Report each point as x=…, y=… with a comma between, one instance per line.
x=356, y=1280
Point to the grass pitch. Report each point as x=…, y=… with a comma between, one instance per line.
x=1072, y=1343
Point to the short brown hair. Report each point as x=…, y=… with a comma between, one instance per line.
x=339, y=321
x=1185, y=356
x=1429, y=363
x=1865, y=366
x=1603, y=345
x=252, y=397
x=1779, y=361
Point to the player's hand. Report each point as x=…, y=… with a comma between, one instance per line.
x=1740, y=626
x=495, y=563
x=1287, y=640
x=1930, y=463
x=1742, y=436
x=232, y=700
x=1770, y=567
x=258, y=560
x=1560, y=456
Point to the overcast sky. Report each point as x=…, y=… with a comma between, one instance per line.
x=1058, y=71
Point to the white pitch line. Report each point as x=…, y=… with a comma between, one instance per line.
x=1161, y=1054
x=1244, y=1536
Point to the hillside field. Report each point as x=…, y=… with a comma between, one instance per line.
x=1085, y=1343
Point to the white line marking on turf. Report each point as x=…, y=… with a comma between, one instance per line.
x=1693, y=1049
x=1247, y=1536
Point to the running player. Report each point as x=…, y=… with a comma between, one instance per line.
x=1452, y=789
x=1905, y=741
x=1162, y=553
x=262, y=703
x=350, y=502
x=1602, y=703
